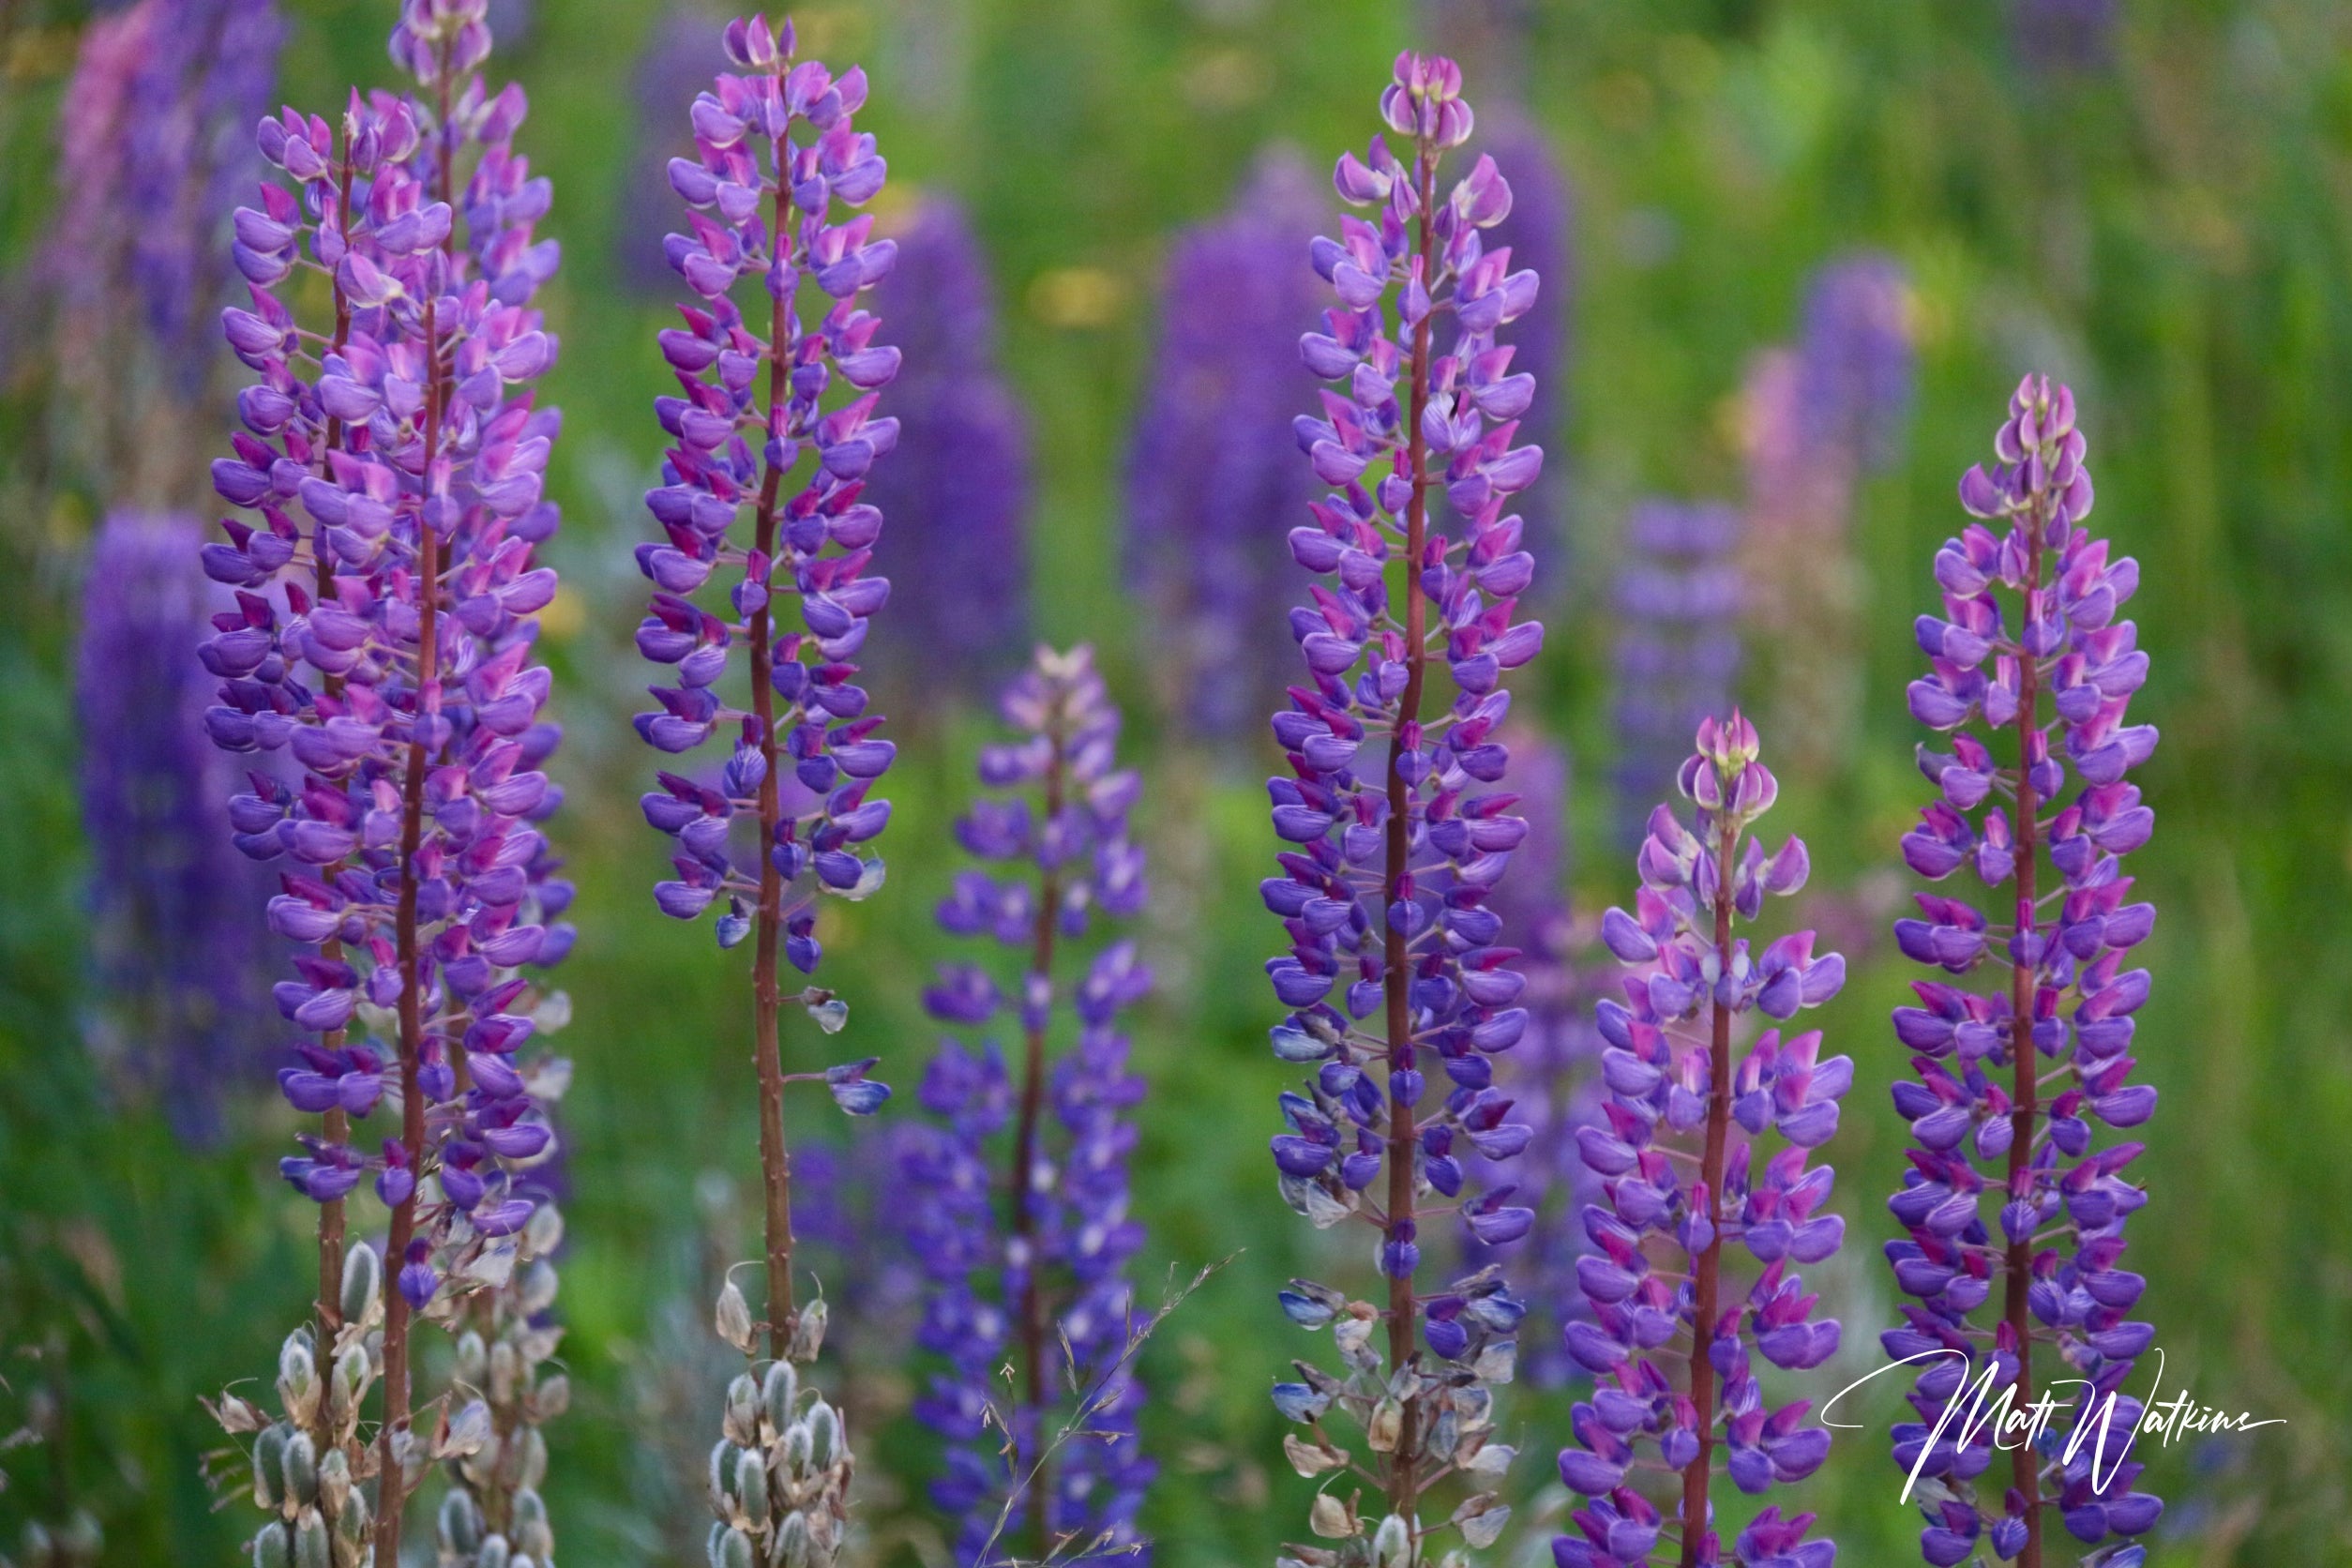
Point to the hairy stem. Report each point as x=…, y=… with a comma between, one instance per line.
x=1708, y=1284
x=2024, y=1462
x=1033, y=1302
x=1396, y=881
x=776, y=1158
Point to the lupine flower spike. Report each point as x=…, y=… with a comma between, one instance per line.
x=2029, y=591
x=1395, y=852
x=1026, y=1239
x=1211, y=488
x=1669, y=1341
x=182, y=958
x=776, y=420
x=383, y=646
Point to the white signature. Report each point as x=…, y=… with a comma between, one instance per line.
x=1976, y=1406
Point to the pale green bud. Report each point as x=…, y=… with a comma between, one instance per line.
x=80, y=1541
x=537, y=1292
x=798, y=1446
x=742, y=1410
x=529, y=1526
x=459, y=1523
x=274, y=1548
x=334, y=1482
x=473, y=1359
x=780, y=1393
x=505, y=1367
x=40, y=1551
x=363, y=1284
x=825, y=1442
x=298, y=1378
x=269, y=1466
x=310, y=1545
x=751, y=1482
x=722, y=1476
x=734, y=1550
x=793, y=1546
x=302, y=1469
x=1392, y=1544
x=531, y=1469
x=495, y=1553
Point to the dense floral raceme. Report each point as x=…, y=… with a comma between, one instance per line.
x=1554, y=1071
x=772, y=434
x=1677, y=1148
x=1678, y=645
x=500, y=1396
x=1020, y=1222
x=379, y=655
x=957, y=493
x=180, y=952
x=1396, y=971
x=2029, y=658
x=1211, y=486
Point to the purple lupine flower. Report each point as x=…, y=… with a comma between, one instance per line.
x=1677, y=648
x=390, y=474
x=1679, y=1097
x=1385, y=888
x=957, y=493
x=1554, y=1070
x=1539, y=233
x=178, y=937
x=1212, y=488
x=1025, y=1240
x=154, y=148
x=2037, y=602
x=789, y=816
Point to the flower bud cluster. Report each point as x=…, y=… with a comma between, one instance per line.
x=2030, y=643
x=493, y=1515
x=1026, y=1240
x=779, y=1478
x=307, y=1460
x=1670, y=1341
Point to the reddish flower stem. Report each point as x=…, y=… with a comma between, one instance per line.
x=1038, y=1472
x=1707, y=1283
x=390, y=1491
x=1396, y=971
x=775, y=1157
x=2025, y=1475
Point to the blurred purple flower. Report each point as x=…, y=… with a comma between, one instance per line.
x=177, y=938
x=1212, y=485
x=957, y=492
x=681, y=54
x=1042, y=1286
x=2058, y=36
x=1540, y=231
x=1677, y=647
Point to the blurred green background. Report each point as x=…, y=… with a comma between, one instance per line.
x=2169, y=228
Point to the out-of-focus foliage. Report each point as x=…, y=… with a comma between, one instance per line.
x=2165, y=223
